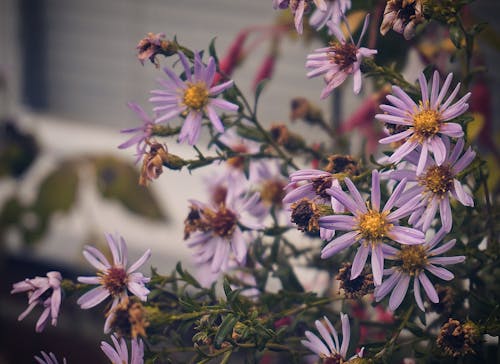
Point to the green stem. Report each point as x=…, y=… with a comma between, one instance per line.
x=389, y=345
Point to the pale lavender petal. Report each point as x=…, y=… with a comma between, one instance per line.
x=447, y=260
x=423, y=88
x=403, y=150
x=345, y=200
x=396, y=137
x=435, y=88
x=214, y=118
x=359, y=261
x=89, y=280
x=464, y=161
x=360, y=202
x=300, y=192
x=455, y=153
x=223, y=104
x=453, y=130
x=460, y=194
x=186, y=65
x=440, y=272
x=239, y=246
x=42, y=320
x=221, y=255
x=445, y=212
x=418, y=296
x=93, y=297
x=399, y=292
x=96, y=258
x=394, y=119
x=387, y=285
x=339, y=244
x=375, y=190
x=346, y=334
x=438, y=149
x=444, y=90
x=338, y=222
x=169, y=115
x=318, y=344
x=395, y=195
x=140, y=261
x=428, y=288
x=392, y=111
x=357, y=82
x=403, y=96
x=399, y=103
x=214, y=91
x=406, y=209
x=406, y=235
x=327, y=337
x=450, y=98
x=377, y=264
x=422, y=160
x=333, y=331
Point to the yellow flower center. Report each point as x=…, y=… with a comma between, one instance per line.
x=114, y=280
x=343, y=54
x=196, y=95
x=438, y=180
x=222, y=222
x=413, y=259
x=426, y=124
x=373, y=225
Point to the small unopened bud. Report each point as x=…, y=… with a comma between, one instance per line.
x=301, y=108
x=129, y=318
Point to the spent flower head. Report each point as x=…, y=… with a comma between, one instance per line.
x=299, y=8
x=193, y=98
x=44, y=291
x=141, y=133
x=402, y=16
x=113, y=278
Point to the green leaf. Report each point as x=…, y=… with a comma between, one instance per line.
x=456, y=36
x=213, y=52
x=225, y=328
x=117, y=180
x=258, y=91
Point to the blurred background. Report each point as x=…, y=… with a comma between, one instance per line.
x=67, y=70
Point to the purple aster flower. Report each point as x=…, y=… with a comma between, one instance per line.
x=334, y=10
x=119, y=353
x=113, y=278
x=339, y=60
x=44, y=291
x=426, y=123
x=49, y=358
x=369, y=226
x=194, y=98
x=413, y=261
x=436, y=184
x=332, y=352
x=142, y=133
x=215, y=229
x=298, y=9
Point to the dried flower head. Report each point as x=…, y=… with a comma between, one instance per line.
x=447, y=297
x=128, y=318
x=458, y=339
x=306, y=214
x=154, y=44
x=402, y=16
x=302, y=108
x=342, y=164
x=152, y=163
x=354, y=288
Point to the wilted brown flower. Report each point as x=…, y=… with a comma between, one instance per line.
x=152, y=45
x=129, y=318
x=354, y=288
x=457, y=339
x=283, y=136
x=302, y=108
x=402, y=16
x=338, y=163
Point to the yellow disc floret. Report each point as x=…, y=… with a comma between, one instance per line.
x=413, y=259
x=426, y=124
x=196, y=95
x=373, y=226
